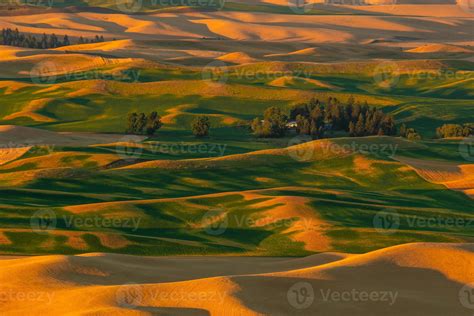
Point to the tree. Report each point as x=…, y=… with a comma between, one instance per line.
x=201, y=126
x=314, y=128
x=350, y=101
x=352, y=131
x=303, y=125
x=360, y=126
x=256, y=127
x=388, y=125
x=143, y=124
x=131, y=123
x=44, y=41
x=273, y=123
x=356, y=112
x=153, y=123
x=412, y=134
x=16, y=38
x=53, y=41
x=455, y=130
x=314, y=118
x=277, y=121
x=299, y=109
x=66, y=41
x=403, y=130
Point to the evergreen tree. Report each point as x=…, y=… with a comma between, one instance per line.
x=352, y=131
x=66, y=41
x=360, y=126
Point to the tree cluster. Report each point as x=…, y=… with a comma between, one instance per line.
x=201, y=126
x=455, y=130
x=142, y=124
x=273, y=123
x=409, y=133
x=16, y=38
x=315, y=118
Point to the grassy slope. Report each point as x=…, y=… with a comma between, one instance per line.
x=418, y=100
x=345, y=193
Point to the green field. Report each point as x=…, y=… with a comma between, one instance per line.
x=171, y=204
x=178, y=179
x=427, y=94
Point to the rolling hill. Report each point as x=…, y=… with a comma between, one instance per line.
x=96, y=283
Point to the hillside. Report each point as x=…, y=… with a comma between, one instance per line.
x=95, y=283
x=237, y=157
x=324, y=201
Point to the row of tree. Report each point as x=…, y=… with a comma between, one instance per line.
x=143, y=124
x=315, y=118
x=409, y=132
x=16, y=38
x=455, y=130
